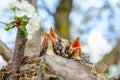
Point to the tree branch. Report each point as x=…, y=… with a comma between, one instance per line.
x=5, y=52
x=3, y=23
x=112, y=57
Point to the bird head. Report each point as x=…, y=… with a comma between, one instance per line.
x=44, y=44
x=73, y=49
x=45, y=40
x=75, y=45
x=51, y=43
x=56, y=40
x=53, y=36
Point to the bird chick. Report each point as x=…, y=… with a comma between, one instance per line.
x=51, y=44
x=46, y=47
x=73, y=49
x=57, y=46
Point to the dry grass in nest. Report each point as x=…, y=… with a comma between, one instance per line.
x=27, y=71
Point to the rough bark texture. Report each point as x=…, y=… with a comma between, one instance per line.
x=5, y=52
x=61, y=16
x=33, y=45
x=18, y=54
x=56, y=67
x=69, y=69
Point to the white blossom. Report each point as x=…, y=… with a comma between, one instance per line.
x=33, y=24
x=23, y=8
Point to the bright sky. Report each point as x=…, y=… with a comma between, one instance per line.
x=3, y=4
x=98, y=45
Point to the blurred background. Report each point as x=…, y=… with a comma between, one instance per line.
x=96, y=22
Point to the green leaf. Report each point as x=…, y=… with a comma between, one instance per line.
x=12, y=22
x=24, y=31
x=24, y=21
x=7, y=28
x=10, y=25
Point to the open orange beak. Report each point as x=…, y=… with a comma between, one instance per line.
x=75, y=45
x=53, y=36
x=46, y=36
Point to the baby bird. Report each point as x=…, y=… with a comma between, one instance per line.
x=73, y=49
x=57, y=44
x=44, y=46
x=51, y=44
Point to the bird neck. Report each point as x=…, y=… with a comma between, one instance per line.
x=76, y=54
x=50, y=50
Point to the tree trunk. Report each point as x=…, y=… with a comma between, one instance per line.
x=18, y=54
x=61, y=16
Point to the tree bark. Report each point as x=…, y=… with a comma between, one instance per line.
x=69, y=69
x=61, y=16
x=5, y=52
x=18, y=54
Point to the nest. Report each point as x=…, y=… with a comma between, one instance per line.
x=57, y=68
x=27, y=71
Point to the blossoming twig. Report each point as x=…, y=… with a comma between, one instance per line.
x=27, y=21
